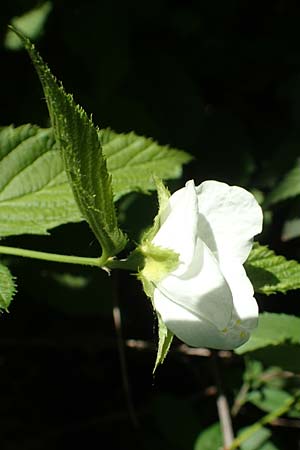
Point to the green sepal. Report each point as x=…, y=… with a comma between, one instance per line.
x=165, y=338
x=80, y=146
x=163, y=196
x=158, y=263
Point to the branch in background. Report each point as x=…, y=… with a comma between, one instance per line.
x=222, y=405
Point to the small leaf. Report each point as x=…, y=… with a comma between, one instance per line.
x=256, y=440
x=210, y=438
x=7, y=287
x=273, y=329
x=31, y=23
x=267, y=399
x=35, y=195
x=271, y=273
x=77, y=139
x=291, y=229
x=287, y=188
x=135, y=161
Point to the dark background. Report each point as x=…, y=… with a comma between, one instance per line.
x=219, y=79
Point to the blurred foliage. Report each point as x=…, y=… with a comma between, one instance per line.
x=220, y=80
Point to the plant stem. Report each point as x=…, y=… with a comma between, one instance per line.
x=132, y=263
x=55, y=257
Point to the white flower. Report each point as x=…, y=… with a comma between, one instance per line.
x=208, y=299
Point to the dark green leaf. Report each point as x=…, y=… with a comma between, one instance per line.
x=7, y=287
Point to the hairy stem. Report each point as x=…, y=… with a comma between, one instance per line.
x=132, y=263
x=55, y=257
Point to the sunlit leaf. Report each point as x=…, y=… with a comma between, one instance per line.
x=271, y=273
x=273, y=329
x=135, y=161
x=78, y=141
x=34, y=193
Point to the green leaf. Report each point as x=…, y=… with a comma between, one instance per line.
x=34, y=193
x=273, y=329
x=210, y=438
x=285, y=356
x=256, y=440
x=267, y=399
x=135, y=161
x=31, y=23
x=78, y=141
x=7, y=287
x=268, y=446
x=287, y=188
x=271, y=273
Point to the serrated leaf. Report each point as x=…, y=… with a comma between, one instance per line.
x=273, y=329
x=7, y=287
x=78, y=141
x=270, y=273
x=34, y=193
x=135, y=161
x=31, y=23
x=287, y=188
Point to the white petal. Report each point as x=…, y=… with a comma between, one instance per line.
x=202, y=289
x=193, y=330
x=179, y=226
x=229, y=219
x=245, y=305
